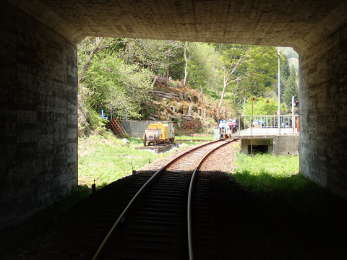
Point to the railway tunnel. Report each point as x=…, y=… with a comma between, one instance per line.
x=38, y=104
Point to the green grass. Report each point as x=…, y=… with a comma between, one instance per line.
x=265, y=172
x=107, y=158
x=277, y=178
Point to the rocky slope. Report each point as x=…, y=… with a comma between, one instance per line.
x=189, y=108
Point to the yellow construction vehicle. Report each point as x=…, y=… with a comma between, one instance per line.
x=159, y=133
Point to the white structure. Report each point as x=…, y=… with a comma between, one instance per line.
x=273, y=134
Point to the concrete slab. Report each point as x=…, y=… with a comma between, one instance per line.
x=266, y=132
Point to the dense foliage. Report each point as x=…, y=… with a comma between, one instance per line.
x=114, y=86
x=260, y=106
x=291, y=87
x=117, y=74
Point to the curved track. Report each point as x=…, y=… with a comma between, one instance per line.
x=157, y=221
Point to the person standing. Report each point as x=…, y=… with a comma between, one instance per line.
x=234, y=126
x=230, y=125
x=222, y=128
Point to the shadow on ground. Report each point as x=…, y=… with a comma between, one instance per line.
x=278, y=218
x=249, y=217
x=22, y=239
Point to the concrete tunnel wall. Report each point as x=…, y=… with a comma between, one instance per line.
x=39, y=79
x=323, y=139
x=38, y=116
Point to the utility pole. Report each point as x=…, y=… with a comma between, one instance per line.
x=279, y=92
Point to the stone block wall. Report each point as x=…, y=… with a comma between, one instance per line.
x=38, y=116
x=324, y=112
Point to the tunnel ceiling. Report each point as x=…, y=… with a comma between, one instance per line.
x=270, y=22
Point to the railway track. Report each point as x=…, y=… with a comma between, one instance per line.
x=158, y=221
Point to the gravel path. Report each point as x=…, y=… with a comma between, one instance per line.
x=213, y=163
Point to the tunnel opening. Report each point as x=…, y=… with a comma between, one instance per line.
x=258, y=149
x=38, y=109
x=169, y=99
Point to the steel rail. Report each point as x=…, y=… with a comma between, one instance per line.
x=125, y=210
x=190, y=192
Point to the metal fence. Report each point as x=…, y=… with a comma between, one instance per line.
x=285, y=124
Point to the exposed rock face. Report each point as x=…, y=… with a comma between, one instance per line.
x=39, y=84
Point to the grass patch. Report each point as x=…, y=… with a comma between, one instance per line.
x=276, y=179
x=107, y=158
x=265, y=172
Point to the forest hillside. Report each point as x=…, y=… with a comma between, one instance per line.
x=192, y=84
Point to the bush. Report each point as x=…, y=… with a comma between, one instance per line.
x=261, y=106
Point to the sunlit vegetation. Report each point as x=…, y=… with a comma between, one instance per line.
x=117, y=75
x=260, y=106
x=106, y=158
x=276, y=179
x=266, y=172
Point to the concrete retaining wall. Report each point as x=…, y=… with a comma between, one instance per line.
x=286, y=145
x=278, y=145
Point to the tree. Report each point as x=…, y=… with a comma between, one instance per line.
x=185, y=63
x=228, y=77
x=261, y=106
x=285, y=73
x=204, y=68
x=112, y=86
x=232, y=58
x=116, y=74
x=163, y=58
x=290, y=87
x=251, y=71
